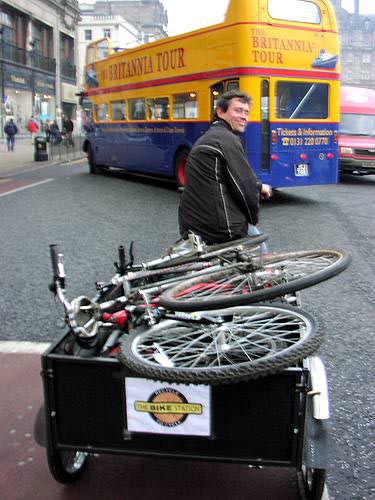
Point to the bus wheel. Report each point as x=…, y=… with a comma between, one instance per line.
x=180, y=165
x=93, y=168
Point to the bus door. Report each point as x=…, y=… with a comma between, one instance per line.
x=265, y=127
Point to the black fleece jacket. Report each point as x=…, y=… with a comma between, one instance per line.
x=221, y=194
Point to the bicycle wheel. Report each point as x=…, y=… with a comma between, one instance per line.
x=239, y=343
x=262, y=278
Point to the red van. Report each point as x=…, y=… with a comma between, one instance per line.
x=357, y=131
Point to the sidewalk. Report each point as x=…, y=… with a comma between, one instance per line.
x=23, y=156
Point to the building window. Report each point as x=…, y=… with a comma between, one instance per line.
x=107, y=33
x=88, y=34
x=347, y=56
x=365, y=75
x=366, y=58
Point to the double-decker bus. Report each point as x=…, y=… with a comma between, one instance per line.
x=151, y=103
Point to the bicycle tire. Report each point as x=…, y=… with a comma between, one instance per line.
x=260, y=279
x=250, y=342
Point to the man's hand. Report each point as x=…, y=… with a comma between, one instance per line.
x=266, y=191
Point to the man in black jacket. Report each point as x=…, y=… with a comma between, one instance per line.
x=221, y=197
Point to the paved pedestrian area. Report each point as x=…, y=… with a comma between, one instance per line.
x=24, y=152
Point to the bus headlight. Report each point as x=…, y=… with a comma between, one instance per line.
x=346, y=151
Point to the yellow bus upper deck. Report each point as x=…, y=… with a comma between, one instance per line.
x=250, y=42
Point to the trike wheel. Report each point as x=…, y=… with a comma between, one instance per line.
x=232, y=345
x=66, y=466
x=313, y=482
x=262, y=278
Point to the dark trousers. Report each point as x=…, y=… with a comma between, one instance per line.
x=10, y=142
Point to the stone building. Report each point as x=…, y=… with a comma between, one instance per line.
x=148, y=16
x=357, y=41
x=94, y=26
x=38, y=60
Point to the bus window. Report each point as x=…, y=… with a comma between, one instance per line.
x=216, y=91
x=118, y=110
x=294, y=10
x=301, y=100
x=137, y=109
x=90, y=55
x=185, y=106
x=158, y=108
x=233, y=86
x=101, y=112
x=102, y=50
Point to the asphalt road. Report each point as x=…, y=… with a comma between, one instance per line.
x=89, y=216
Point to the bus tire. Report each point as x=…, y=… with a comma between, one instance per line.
x=179, y=167
x=93, y=167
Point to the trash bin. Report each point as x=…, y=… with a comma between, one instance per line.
x=40, y=149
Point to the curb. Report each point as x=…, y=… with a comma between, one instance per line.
x=34, y=165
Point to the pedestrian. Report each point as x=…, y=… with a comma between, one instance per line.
x=33, y=128
x=221, y=197
x=67, y=129
x=47, y=132
x=10, y=130
x=55, y=134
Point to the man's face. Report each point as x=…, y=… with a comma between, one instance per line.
x=236, y=114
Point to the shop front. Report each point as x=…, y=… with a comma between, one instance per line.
x=69, y=103
x=17, y=95
x=44, y=98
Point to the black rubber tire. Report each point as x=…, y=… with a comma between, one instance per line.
x=314, y=481
x=264, y=278
x=179, y=167
x=253, y=341
x=93, y=167
x=40, y=428
x=66, y=466
x=242, y=247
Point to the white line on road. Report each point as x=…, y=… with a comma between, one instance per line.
x=8, y=346
x=26, y=187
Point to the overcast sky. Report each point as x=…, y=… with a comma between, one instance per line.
x=188, y=15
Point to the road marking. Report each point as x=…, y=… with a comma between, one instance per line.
x=6, y=187
x=9, y=346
